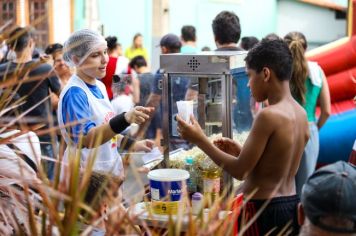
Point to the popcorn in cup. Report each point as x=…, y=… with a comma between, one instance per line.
x=185, y=109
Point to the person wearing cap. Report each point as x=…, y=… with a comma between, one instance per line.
x=40, y=81
x=85, y=106
x=328, y=201
x=170, y=43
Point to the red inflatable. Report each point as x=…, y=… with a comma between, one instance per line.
x=336, y=58
x=342, y=85
x=340, y=107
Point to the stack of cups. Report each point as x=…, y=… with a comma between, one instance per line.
x=185, y=109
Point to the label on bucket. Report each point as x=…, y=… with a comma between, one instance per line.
x=166, y=191
x=164, y=208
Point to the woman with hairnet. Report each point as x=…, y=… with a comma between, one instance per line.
x=84, y=107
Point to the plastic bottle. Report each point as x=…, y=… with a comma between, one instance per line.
x=197, y=203
x=192, y=181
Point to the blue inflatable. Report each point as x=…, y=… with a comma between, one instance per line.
x=337, y=137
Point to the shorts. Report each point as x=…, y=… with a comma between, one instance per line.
x=280, y=214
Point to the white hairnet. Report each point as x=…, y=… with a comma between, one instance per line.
x=81, y=44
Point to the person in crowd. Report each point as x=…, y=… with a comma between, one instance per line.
x=63, y=72
x=328, y=202
x=248, y=42
x=146, y=79
x=188, y=37
x=85, y=106
x=309, y=87
x=170, y=43
x=136, y=48
x=99, y=195
x=205, y=49
x=36, y=80
x=61, y=69
x=117, y=64
x=272, y=36
x=227, y=31
x=270, y=157
x=123, y=101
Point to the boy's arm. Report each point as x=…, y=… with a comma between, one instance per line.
x=251, y=152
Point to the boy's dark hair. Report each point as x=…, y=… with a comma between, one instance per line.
x=112, y=42
x=188, y=33
x=226, y=27
x=272, y=36
x=248, y=42
x=52, y=48
x=138, y=61
x=273, y=54
x=100, y=187
x=19, y=38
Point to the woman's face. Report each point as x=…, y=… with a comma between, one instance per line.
x=95, y=64
x=138, y=41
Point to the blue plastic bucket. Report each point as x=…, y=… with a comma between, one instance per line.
x=167, y=187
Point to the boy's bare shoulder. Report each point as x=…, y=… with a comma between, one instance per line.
x=270, y=113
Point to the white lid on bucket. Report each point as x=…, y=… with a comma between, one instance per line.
x=168, y=175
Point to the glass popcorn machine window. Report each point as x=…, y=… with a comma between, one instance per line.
x=213, y=87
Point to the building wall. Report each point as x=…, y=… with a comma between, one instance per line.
x=255, y=21
x=317, y=24
x=125, y=18
x=61, y=20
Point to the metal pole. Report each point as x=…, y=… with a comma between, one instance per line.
x=226, y=124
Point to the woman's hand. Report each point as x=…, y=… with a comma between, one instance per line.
x=228, y=145
x=190, y=132
x=138, y=114
x=143, y=146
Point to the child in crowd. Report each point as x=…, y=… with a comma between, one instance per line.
x=98, y=195
x=269, y=160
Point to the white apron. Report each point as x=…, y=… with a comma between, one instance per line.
x=108, y=159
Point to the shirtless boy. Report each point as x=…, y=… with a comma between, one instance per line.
x=269, y=159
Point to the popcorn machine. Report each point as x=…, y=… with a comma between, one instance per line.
x=216, y=83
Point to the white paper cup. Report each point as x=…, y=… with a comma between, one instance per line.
x=185, y=109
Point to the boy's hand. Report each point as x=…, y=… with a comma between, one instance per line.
x=190, y=132
x=143, y=146
x=228, y=145
x=138, y=114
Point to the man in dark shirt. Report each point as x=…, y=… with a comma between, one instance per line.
x=35, y=80
x=227, y=32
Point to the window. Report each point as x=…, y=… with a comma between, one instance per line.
x=39, y=20
x=7, y=13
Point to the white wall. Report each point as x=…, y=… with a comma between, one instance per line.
x=317, y=24
x=61, y=20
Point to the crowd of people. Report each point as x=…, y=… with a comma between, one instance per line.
x=95, y=93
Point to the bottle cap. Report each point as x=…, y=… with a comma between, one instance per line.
x=189, y=160
x=197, y=196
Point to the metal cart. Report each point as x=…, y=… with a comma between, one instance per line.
x=217, y=83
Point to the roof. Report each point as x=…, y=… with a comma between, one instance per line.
x=331, y=4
